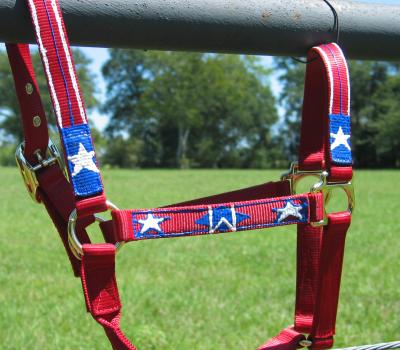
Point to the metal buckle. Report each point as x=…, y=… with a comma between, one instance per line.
x=73, y=241
x=323, y=186
x=28, y=171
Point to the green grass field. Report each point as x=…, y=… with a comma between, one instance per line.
x=230, y=291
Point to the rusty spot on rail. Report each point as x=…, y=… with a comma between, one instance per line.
x=265, y=15
x=297, y=16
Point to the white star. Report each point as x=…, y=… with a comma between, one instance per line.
x=289, y=210
x=83, y=160
x=340, y=139
x=151, y=223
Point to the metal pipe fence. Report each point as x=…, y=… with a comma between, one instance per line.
x=267, y=27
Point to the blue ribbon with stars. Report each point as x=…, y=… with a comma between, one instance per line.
x=340, y=142
x=82, y=163
x=212, y=219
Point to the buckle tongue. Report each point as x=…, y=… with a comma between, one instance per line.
x=28, y=171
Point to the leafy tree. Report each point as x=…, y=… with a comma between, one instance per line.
x=10, y=125
x=190, y=109
x=291, y=99
x=122, y=152
x=374, y=102
x=388, y=121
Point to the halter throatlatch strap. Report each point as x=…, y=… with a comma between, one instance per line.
x=68, y=106
x=101, y=292
x=324, y=146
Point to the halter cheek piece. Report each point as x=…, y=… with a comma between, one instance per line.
x=73, y=193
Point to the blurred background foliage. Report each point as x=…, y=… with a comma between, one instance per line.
x=199, y=110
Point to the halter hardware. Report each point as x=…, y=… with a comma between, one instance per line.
x=326, y=188
x=294, y=175
x=28, y=171
x=73, y=241
x=305, y=343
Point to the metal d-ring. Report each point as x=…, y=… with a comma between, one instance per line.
x=74, y=243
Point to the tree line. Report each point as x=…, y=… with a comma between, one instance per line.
x=202, y=110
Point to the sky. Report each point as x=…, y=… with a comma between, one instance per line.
x=99, y=56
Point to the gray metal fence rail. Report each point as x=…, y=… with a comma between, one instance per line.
x=271, y=27
x=380, y=346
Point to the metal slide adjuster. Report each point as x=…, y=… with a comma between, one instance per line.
x=73, y=241
x=322, y=186
x=28, y=171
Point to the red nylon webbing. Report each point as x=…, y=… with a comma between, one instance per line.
x=320, y=258
x=287, y=339
x=320, y=261
x=101, y=292
x=324, y=94
x=308, y=255
x=36, y=135
x=331, y=261
x=56, y=194
x=320, y=249
x=59, y=68
x=54, y=190
x=68, y=104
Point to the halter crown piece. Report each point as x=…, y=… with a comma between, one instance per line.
x=69, y=185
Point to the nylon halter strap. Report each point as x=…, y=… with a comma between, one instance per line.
x=42, y=166
x=324, y=146
x=68, y=106
x=38, y=159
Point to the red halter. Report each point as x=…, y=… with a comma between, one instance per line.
x=324, y=152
